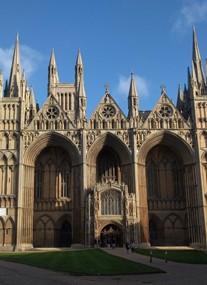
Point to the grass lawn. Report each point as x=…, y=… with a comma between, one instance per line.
x=80, y=262
x=183, y=256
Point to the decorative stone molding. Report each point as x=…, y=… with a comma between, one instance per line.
x=91, y=137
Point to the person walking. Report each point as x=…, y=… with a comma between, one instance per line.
x=127, y=247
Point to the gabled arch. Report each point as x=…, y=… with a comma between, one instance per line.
x=51, y=139
x=109, y=139
x=171, y=140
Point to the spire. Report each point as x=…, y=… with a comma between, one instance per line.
x=197, y=69
x=79, y=69
x=79, y=58
x=32, y=98
x=32, y=104
x=15, y=75
x=180, y=98
x=1, y=83
x=132, y=99
x=132, y=88
x=81, y=100
x=53, y=78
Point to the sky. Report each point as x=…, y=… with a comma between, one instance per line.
x=151, y=38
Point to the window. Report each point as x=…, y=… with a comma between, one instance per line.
x=38, y=181
x=152, y=181
x=107, y=166
x=64, y=177
x=111, y=202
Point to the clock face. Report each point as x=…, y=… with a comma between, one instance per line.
x=108, y=111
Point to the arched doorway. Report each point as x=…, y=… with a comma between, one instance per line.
x=65, y=236
x=111, y=234
x=153, y=232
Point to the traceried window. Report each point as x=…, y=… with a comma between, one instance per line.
x=52, y=112
x=152, y=181
x=111, y=202
x=165, y=111
x=108, y=111
x=52, y=174
x=64, y=179
x=38, y=181
x=107, y=166
x=177, y=181
x=164, y=174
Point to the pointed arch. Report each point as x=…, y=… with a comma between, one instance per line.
x=2, y=229
x=51, y=139
x=109, y=139
x=9, y=232
x=170, y=139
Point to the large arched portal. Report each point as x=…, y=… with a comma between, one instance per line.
x=111, y=235
x=166, y=197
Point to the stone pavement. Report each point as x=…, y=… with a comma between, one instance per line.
x=176, y=274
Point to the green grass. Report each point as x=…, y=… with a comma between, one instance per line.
x=183, y=256
x=81, y=262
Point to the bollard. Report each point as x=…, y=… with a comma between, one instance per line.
x=166, y=256
x=150, y=256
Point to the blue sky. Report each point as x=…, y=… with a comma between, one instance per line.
x=151, y=38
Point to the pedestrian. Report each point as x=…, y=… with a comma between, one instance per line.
x=132, y=246
x=127, y=247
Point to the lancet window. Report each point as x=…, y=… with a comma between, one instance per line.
x=52, y=174
x=107, y=166
x=111, y=202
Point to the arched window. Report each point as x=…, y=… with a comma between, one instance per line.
x=177, y=181
x=111, y=202
x=38, y=181
x=52, y=174
x=107, y=166
x=152, y=181
x=64, y=179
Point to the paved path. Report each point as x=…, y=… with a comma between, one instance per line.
x=177, y=274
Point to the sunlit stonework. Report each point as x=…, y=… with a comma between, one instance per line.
x=68, y=180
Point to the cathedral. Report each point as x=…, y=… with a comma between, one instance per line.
x=71, y=181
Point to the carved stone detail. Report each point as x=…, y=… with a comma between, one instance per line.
x=91, y=137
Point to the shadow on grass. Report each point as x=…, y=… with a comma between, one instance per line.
x=81, y=262
x=182, y=256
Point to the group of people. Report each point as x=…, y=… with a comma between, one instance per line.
x=130, y=246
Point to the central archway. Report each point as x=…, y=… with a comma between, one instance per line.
x=111, y=235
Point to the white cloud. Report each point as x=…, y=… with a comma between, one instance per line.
x=29, y=59
x=5, y=60
x=191, y=13
x=124, y=84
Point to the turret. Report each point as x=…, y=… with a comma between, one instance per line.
x=53, y=78
x=133, y=99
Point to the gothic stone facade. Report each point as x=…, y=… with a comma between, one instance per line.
x=68, y=180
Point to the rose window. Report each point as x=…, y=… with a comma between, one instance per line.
x=108, y=111
x=52, y=112
x=165, y=111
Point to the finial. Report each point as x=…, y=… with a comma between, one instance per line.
x=107, y=86
x=163, y=88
